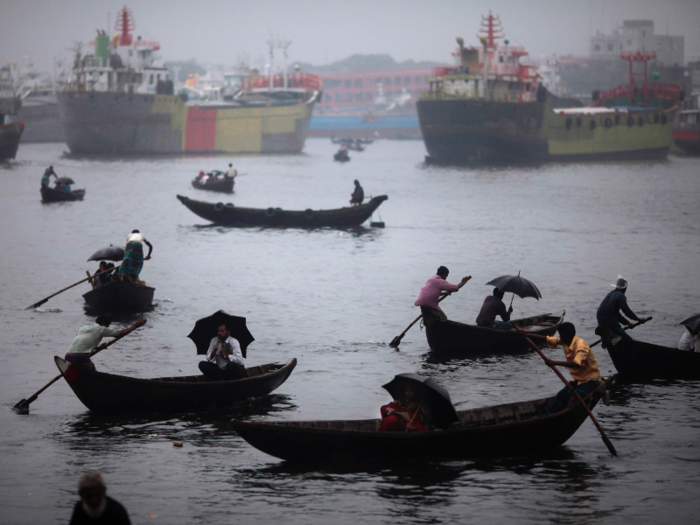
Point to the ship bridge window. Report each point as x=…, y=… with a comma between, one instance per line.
x=358, y=82
x=150, y=80
x=347, y=84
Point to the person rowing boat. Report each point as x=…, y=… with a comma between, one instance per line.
x=89, y=336
x=430, y=293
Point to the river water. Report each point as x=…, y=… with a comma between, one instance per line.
x=334, y=300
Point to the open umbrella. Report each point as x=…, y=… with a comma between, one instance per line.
x=442, y=411
x=693, y=322
x=516, y=285
x=65, y=180
x=111, y=253
x=205, y=329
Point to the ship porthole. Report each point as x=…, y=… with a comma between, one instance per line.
x=608, y=123
x=593, y=124
x=309, y=213
x=270, y=212
x=218, y=206
x=630, y=121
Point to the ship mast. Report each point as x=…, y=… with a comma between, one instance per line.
x=125, y=24
x=633, y=57
x=491, y=25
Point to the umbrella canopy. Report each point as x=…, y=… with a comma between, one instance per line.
x=693, y=322
x=442, y=411
x=65, y=180
x=517, y=285
x=111, y=253
x=205, y=329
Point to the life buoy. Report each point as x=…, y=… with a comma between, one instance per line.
x=608, y=122
x=270, y=212
x=630, y=121
x=218, y=206
x=309, y=213
x=229, y=205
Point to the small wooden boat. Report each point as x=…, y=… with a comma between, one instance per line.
x=101, y=392
x=502, y=429
x=467, y=340
x=220, y=184
x=120, y=296
x=635, y=359
x=54, y=195
x=341, y=156
x=230, y=215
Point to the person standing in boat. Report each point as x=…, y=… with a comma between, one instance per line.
x=231, y=172
x=580, y=361
x=358, y=194
x=133, y=257
x=609, y=316
x=430, y=293
x=89, y=336
x=224, y=357
x=95, y=506
x=410, y=413
x=46, y=177
x=493, y=306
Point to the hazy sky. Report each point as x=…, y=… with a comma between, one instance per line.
x=217, y=31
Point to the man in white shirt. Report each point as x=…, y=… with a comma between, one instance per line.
x=224, y=358
x=89, y=337
x=133, y=256
x=230, y=172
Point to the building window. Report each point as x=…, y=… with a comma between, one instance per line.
x=597, y=47
x=417, y=80
x=338, y=97
x=610, y=47
x=150, y=80
x=358, y=97
x=397, y=81
x=368, y=95
x=406, y=81
x=347, y=84
x=348, y=97
x=387, y=81
x=388, y=92
x=358, y=82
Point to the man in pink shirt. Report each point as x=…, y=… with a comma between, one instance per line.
x=430, y=293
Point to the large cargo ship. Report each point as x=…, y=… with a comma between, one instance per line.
x=494, y=108
x=10, y=127
x=118, y=101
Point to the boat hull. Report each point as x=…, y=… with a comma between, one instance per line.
x=9, y=139
x=53, y=195
x=459, y=131
x=120, y=296
x=119, y=123
x=387, y=127
x=464, y=340
x=223, y=186
x=503, y=429
x=230, y=215
x=110, y=393
x=639, y=360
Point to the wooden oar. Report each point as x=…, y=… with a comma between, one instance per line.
x=414, y=417
x=396, y=341
x=607, y=442
x=642, y=321
x=23, y=406
x=39, y=303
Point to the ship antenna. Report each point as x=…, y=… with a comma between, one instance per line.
x=125, y=24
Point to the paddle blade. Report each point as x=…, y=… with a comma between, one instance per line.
x=22, y=407
x=36, y=305
x=396, y=341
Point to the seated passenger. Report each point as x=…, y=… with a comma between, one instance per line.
x=224, y=358
x=100, y=278
x=689, y=341
x=408, y=414
x=358, y=194
x=493, y=306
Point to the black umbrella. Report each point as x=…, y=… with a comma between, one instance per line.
x=205, y=329
x=442, y=411
x=111, y=253
x=65, y=180
x=516, y=285
x=693, y=322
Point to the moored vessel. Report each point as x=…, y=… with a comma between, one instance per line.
x=686, y=131
x=493, y=107
x=10, y=127
x=120, y=101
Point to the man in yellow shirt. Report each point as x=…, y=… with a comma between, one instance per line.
x=579, y=360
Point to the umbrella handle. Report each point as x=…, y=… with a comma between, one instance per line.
x=414, y=417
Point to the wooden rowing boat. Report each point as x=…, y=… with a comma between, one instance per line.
x=502, y=429
x=219, y=184
x=101, y=392
x=120, y=296
x=230, y=215
x=468, y=340
x=639, y=360
x=54, y=195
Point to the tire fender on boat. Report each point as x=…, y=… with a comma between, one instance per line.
x=229, y=205
x=309, y=213
x=270, y=212
x=218, y=206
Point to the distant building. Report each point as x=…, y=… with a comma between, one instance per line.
x=638, y=35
